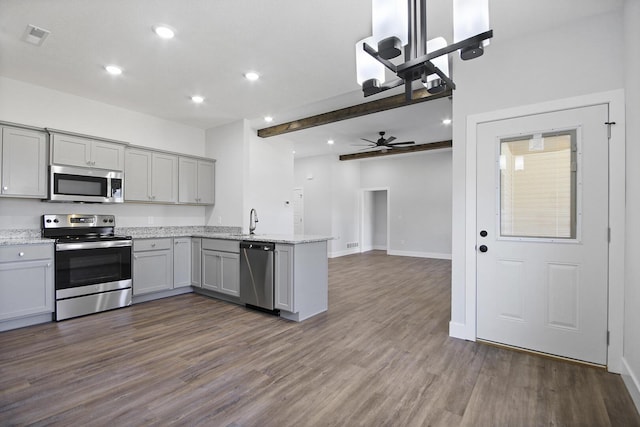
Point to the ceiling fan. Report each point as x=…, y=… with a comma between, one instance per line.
x=385, y=143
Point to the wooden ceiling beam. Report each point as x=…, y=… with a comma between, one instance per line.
x=410, y=149
x=396, y=101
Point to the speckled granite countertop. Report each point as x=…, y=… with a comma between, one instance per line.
x=224, y=233
x=30, y=236
x=22, y=237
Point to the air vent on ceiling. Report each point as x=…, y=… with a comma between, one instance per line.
x=35, y=35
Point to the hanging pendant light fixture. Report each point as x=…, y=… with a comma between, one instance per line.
x=400, y=26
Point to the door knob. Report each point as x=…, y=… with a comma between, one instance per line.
x=483, y=248
x=483, y=233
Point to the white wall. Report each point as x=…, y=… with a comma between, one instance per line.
x=41, y=107
x=368, y=221
x=251, y=172
x=380, y=220
x=419, y=200
x=229, y=145
x=535, y=68
x=270, y=184
x=32, y=105
x=345, y=213
x=631, y=352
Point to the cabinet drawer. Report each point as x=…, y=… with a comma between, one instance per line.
x=151, y=244
x=221, y=245
x=25, y=252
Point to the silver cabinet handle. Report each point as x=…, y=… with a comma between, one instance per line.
x=48, y=264
x=153, y=245
x=21, y=254
x=135, y=257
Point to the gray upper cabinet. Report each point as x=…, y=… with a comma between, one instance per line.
x=78, y=151
x=23, y=165
x=151, y=176
x=196, y=181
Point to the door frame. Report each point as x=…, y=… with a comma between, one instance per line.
x=363, y=191
x=615, y=100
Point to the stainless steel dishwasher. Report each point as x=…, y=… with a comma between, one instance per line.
x=256, y=275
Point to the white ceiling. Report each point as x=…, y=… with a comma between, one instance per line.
x=304, y=51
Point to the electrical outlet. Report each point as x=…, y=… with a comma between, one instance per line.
x=149, y=220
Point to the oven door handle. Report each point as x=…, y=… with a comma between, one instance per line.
x=92, y=245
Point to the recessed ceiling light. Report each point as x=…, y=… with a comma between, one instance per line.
x=164, y=31
x=446, y=122
x=293, y=152
x=197, y=99
x=330, y=142
x=251, y=76
x=114, y=70
x=268, y=119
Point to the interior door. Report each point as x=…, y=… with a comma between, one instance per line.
x=542, y=223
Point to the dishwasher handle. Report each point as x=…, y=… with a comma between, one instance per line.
x=258, y=246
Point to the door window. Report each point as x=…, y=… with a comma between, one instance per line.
x=538, y=186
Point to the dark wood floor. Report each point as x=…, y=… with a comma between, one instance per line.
x=379, y=357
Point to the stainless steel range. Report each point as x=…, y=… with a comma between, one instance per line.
x=92, y=264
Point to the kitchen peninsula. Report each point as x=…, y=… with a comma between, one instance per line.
x=300, y=267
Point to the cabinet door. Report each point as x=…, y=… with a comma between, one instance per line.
x=211, y=270
x=181, y=262
x=107, y=155
x=164, y=178
x=230, y=283
x=188, y=174
x=152, y=271
x=26, y=288
x=196, y=262
x=206, y=187
x=284, y=292
x=71, y=150
x=137, y=175
x=24, y=163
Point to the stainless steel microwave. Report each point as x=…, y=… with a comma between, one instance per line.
x=71, y=184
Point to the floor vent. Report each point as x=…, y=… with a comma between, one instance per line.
x=352, y=245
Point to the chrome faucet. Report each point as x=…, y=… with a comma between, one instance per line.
x=253, y=219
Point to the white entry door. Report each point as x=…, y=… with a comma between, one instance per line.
x=542, y=222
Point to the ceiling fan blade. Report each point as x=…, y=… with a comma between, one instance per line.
x=395, y=144
x=388, y=140
x=368, y=140
x=361, y=145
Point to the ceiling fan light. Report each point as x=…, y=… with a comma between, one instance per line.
x=470, y=17
x=367, y=67
x=389, y=21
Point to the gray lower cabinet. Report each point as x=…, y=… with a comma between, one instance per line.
x=196, y=262
x=152, y=265
x=221, y=266
x=283, y=278
x=23, y=163
x=181, y=262
x=26, y=281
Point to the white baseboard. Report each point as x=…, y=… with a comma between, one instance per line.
x=337, y=254
x=379, y=247
x=631, y=381
x=420, y=254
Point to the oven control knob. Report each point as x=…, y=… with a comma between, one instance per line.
x=56, y=220
x=104, y=220
x=48, y=221
x=110, y=220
